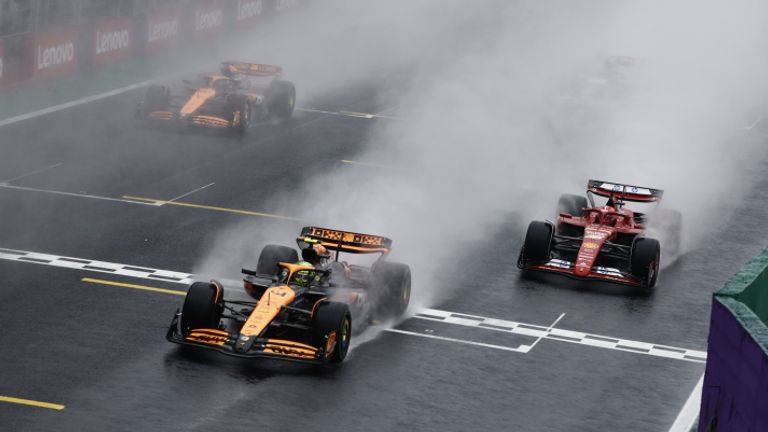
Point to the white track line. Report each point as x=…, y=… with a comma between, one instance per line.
x=690, y=411
x=344, y=113
x=467, y=320
x=73, y=103
x=37, y=171
x=561, y=335
x=462, y=341
x=547, y=332
x=189, y=193
x=79, y=195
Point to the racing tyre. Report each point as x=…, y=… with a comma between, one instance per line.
x=157, y=97
x=395, y=280
x=537, y=243
x=644, y=261
x=202, y=306
x=281, y=98
x=240, y=109
x=271, y=255
x=571, y=204
x=332, y=330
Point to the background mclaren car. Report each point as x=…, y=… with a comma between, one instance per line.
x=309, y=323
x=244, y=93
x=606, y=242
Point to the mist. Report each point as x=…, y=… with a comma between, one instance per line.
x=507, y=105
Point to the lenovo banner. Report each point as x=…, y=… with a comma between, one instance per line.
x=248, y=11
x=209, y=17
x=54, y=53
x=164, y=28
x=113, y=40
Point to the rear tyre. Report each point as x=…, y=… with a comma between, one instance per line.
x=644, y=261
x=202, y=306
x=395, y=294
x=240, y=110
x=571, y=204
x=156, y=98
x=537, y=244
x=332, y=330
x=281, y=97
x=271, y=255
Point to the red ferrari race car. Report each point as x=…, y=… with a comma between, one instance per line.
x=606, y=242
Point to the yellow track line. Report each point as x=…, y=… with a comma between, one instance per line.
x=30, y=402
x=140, y=287
x=208, y=207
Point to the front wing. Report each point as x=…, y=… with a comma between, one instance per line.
x=598, y=273
x=228, y=343
x=209, y=121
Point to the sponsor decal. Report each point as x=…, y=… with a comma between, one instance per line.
x=249, y=9
x=113, y=40
x=54, y=53
x=163, y=28
x=591, y=246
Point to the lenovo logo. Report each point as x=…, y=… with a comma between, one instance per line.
x=55, y=56
x=248, y=9
x=112, y=41
x=163, y=30
x=208, y=20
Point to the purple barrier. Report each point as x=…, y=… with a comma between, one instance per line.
x=735, y=392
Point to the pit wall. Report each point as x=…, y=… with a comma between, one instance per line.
x=735, y=392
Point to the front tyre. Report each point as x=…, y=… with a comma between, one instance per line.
x=203, y=306
x=332, y=330
x=644, y=261
x=537, y=244
x=272, y=255
x=241, y=111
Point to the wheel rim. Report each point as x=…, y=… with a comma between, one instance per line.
x=344, y=335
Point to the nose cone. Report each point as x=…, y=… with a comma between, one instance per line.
x=582, y=269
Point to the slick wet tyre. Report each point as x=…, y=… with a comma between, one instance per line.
x=332, y=330
x=537, y=243
x=202, y=306
x=644, y=261
x=240, y=110
x=394, y=280
x=272, y=255
x=156, y=98
x=281, y=97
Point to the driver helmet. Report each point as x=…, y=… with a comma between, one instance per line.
x=304, y=277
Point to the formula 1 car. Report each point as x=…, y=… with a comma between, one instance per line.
x=591, y=242
x=244, y=93
x=291, y=318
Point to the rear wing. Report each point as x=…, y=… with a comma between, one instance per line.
x=231, y=68
x=344, y=241
x=624, y=191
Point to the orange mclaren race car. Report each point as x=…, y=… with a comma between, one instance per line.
x=300, y=311
x=606, y=242
x=242, y=94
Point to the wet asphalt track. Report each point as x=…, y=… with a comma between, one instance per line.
x=100, y=350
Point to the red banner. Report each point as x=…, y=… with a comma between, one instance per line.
x=54, y=53
x=248, y=11
x=209, y=17
x=164, y=28
x=113, y=40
